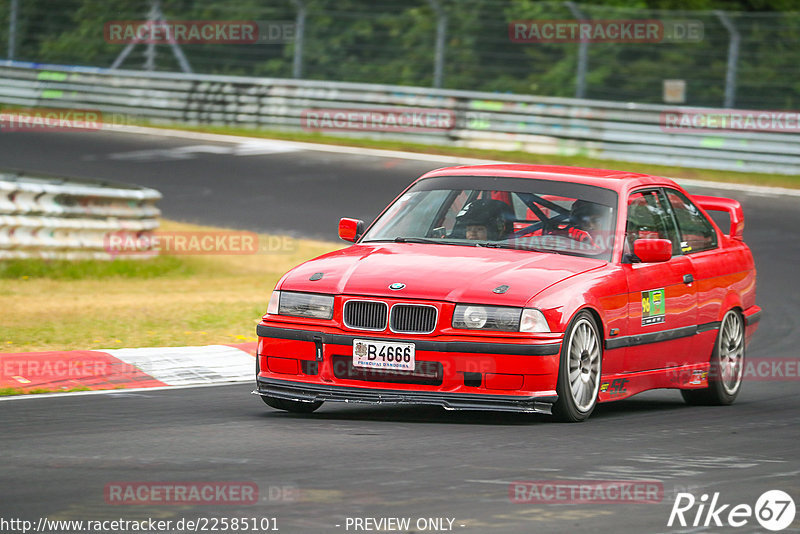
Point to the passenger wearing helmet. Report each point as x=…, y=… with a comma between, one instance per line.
x=483, y=220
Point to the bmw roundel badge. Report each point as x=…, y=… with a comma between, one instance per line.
x=397, y=286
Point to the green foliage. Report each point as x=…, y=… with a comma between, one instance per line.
x=7, y=392
x=393, y=42
x=162, y=266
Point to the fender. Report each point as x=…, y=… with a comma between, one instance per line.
x=731, y=301
x=601, y=290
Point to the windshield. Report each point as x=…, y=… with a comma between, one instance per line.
x=521, y=213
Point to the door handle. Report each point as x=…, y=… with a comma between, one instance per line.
x=688, y=278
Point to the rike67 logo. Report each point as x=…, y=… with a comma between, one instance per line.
x=774, y=510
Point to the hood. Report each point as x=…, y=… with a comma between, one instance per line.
x=436, y=272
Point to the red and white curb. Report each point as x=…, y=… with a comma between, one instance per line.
x=113, y=369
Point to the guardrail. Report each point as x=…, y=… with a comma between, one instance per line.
x=60, y=218
x=544, y=125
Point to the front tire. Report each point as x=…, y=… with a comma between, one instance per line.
x=727, y=365
x=290, y=405
x=579, y=370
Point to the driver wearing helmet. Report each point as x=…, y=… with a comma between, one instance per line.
x=586, y=220
x=483, y=220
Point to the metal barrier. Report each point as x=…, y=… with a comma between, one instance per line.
x=543, y=125
x=60, y=218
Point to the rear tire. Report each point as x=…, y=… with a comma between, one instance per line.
x=579, y=370
x=727, y=366
x=290, y=405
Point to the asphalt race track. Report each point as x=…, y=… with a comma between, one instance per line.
x=349, y=461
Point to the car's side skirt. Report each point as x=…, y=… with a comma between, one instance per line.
x=623, y=385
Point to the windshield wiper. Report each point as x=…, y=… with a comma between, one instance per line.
x=408, y=240
x=520, y=247
x=420, y=240
x=498, y=245
x=414, y=240
x=423, y=240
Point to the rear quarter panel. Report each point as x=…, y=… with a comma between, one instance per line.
x=726, y=278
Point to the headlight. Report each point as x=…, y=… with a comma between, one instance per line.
x=486, y=318
x=301, y=304
x=470, y=317
x=504, y=319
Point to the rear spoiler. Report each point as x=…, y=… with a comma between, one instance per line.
x=733, y=208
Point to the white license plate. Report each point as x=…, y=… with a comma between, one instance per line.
x=383, y=355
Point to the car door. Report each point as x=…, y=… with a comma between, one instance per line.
x=662, y=299
x=714, y=271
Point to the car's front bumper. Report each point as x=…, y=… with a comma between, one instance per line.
x=306, y=392
x=471, y=373
x=328, y=338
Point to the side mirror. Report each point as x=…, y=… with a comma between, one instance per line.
x=350, y=229
x=653, y=250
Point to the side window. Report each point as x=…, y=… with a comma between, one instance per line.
x=648, y=218
x=411, y=214
x=697, y=234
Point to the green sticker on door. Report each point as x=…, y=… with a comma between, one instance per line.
x=653, y=307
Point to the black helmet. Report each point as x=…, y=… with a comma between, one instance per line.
x=583, y=209
x=493, y=214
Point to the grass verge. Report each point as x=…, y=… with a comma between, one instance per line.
x=514, y=156
x=8, y=392
x=164, y=301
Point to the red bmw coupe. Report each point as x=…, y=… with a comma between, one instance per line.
x=519, y=288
